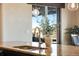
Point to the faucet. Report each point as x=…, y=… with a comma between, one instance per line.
x=37, y=32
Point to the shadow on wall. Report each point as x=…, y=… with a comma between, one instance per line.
x=68, y=40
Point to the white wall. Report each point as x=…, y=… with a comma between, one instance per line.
x=77, y=16
x=0, y=24
x=68, y=19
x=17, y=22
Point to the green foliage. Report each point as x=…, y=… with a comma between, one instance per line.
x=46, y=26
x=73, y=30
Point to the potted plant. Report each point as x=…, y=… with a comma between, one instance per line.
x=47, y=30
x=74, y=33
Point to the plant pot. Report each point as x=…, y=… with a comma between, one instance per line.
x=75, y=38
x=47, y=40
x=48, y=51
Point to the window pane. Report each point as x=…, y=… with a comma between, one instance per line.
x=52, y=19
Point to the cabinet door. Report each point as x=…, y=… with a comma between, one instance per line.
x=17, y=20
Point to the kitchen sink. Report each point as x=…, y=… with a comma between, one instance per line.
x=29, y=48
x=32, y=49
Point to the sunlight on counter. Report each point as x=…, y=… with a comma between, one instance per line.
x=54, y=48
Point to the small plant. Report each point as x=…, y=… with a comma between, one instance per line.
x=73, y=30
x=46, y=26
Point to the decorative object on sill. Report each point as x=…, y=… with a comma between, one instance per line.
x=73, y=32
x=72, y=6
x=75, y=39
x=35, y=11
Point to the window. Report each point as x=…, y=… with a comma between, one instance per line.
x=53, y=20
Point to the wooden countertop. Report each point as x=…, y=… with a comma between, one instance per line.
x=67, y=50
x=11, y=46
